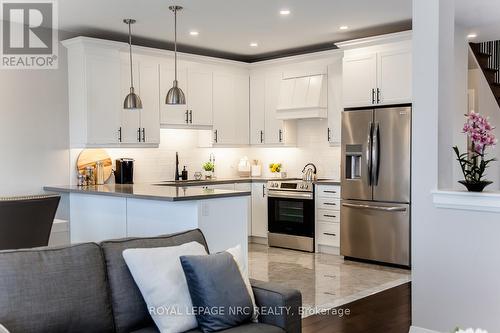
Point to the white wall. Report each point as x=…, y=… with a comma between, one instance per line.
x=33, y=129
x=456, y=271
x=153, y=165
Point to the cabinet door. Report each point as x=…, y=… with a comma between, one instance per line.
x=172, y=114
x=259, y=210
x=257, y=108
x=394, y=77
x=130, y=119
x=335, y=105
x=149, y=85
x=273, y=125
x=199, y=97
x=231, y=109
x=359, y=80
x=104, y=101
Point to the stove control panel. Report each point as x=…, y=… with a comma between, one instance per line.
x=291, y=186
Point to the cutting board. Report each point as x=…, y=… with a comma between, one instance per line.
x=89, y=157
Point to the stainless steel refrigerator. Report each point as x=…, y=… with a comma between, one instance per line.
x=376, y=171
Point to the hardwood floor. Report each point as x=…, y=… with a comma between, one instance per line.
x=386, y=312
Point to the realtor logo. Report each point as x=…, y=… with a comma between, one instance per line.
x=29, y=34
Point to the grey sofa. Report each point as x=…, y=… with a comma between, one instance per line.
x=88, y=288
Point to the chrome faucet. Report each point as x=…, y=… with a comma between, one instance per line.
x=309, y=172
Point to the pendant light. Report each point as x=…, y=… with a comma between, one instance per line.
x=175, y=95
x=132, y=101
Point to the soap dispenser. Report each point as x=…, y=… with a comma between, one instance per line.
x=184, y=175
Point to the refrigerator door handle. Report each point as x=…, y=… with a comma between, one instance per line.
x=375, y=153
x=382, y=208
x=369, y=153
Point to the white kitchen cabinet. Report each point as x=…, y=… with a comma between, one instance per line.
x=266, y=128
x=257, y=108
x=231, y=109
x=328, y=219
x=196, y=84
x=199, y=97
x=95, y=99
x=359, y=80
x=259, y=210
x=172, y=114
x=335, y=106
x=394, y=76
x=141, y=126
x=377, y=76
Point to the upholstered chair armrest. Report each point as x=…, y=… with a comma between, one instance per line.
x=279, y=306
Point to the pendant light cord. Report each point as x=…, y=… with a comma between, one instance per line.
x=130, y=51
x=175, y=42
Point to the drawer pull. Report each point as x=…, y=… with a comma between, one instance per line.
x=330, y=203
x=326, y=191
x=326, y=215
x=329, y=234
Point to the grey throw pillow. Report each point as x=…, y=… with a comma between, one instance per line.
x=218, y=292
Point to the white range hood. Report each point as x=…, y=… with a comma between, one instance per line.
x=303, y=97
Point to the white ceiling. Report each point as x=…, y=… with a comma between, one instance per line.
x=479, y=16
x=231, y=25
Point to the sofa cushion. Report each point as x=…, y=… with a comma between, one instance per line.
x=55, y=290
x=247, y=328
x=129, y=309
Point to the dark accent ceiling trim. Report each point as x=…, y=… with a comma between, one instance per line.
x=153, y=43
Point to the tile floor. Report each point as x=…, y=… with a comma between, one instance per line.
x=325, y=280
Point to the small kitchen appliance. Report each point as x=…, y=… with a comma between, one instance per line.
x=124, y=172
x=291, y=214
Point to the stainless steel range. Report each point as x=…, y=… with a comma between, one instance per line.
x=291, y=214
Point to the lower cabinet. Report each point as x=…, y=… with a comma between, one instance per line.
x=259, y=210
x=328, y=219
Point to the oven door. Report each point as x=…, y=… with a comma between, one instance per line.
x=291, y=213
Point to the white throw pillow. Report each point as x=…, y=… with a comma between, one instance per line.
x=3, y=329
x=159, y=275
x=242, y=265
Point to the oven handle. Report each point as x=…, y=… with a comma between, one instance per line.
x=290, y=195
x=386, y=209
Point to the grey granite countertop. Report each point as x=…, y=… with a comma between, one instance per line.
x=149, y=191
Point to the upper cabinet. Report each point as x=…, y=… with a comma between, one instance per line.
x=378, y=75
x=231, y=108
x=266, y=127
x=196, y=83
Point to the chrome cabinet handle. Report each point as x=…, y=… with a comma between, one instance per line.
x=373, y=96
x=216, y=138
x=261, y=136
x=263, y=190
x=187, y=116
x=120, y=134
x=143, y=134
x=190, y=116
x=280, y=136
x=378, y=96
x=332, y=216
x=329, y=234
x=139, y=134
x=329, y=134
x=382, y=208
x=329, y=191
x=330, y=203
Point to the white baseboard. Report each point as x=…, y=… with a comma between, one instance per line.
x=415, y=329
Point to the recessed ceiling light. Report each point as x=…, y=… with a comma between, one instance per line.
x=343, y=27
x=472, y=35
x=254, y=44
x=284, y=12
x=194, y=33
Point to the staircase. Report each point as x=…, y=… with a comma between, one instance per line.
x=488, y=57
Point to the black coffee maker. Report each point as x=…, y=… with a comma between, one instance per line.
x=124, y=172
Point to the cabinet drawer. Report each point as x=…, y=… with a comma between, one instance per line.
x=329, y=191
x=328, y=234
x=328, y=203
x=329, y=216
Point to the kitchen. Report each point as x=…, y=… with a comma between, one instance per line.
x=286, y=111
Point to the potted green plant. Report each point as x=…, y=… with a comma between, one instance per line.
x=474, y=163
x=209, y=169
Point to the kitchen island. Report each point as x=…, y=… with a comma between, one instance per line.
x=101, y=212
